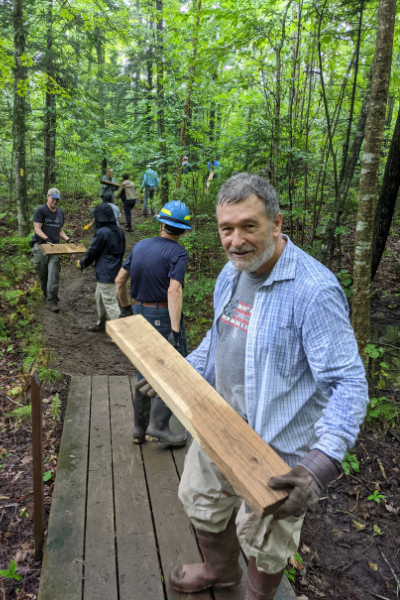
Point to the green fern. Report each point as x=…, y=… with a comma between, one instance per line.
x=54, y=408
x=21, y=414
x=381, y=411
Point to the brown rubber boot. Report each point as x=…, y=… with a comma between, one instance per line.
x=141, y=415
x=260, y=585
x=220, y=567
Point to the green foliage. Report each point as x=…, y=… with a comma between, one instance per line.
x=12, y=573
x=21, y=414
x=373, y=351
x=349, y=463
x=376, y=496
x=48, y=376
x=382, y=412
x=47, y=476
x=198, y=290
x=290, y=573
x=54, y=408
x=346, y=281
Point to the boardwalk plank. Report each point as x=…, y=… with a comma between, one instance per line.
x=138, y=568
x=100, y=560
x=176, y=539
x=62, y=570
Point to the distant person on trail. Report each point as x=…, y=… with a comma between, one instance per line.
x=281, y=351
x=213, y=166
x=48, y=220
x=157, y=268
x=150, y=182
x=108, y=198
x=127, y=193
x=107, y=251
x=105, y=189
x=186, y=168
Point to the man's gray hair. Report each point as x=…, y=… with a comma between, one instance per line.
x=239, y=187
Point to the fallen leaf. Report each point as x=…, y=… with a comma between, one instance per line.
x=4, y=497
x=373, y=566
x=305, y=549
x=296, y=563
x=69, y=421
x=72, y=456
x=18, y=475
x=390, y=508
x=359, y=526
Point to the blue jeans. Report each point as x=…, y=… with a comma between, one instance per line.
x=128, y=205
x=148, y=193
x=159, y=318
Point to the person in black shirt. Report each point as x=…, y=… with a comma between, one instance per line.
x=48, y=220
x=107, y=251
x=157, y=269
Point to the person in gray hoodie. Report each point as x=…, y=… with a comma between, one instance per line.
x=127, y=193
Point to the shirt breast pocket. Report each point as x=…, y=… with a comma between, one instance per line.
x=289, y=354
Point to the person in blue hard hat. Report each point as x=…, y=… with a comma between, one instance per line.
x=157, y=267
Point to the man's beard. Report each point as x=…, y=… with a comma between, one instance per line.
x=251, y=266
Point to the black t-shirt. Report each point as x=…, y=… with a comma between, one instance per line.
x=52, y=223
x=151, y=264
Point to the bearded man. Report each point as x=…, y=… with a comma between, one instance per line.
x=282, y=353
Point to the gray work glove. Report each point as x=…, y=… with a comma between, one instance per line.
x=145, y=389
x=308, y=479
x=173, y=339
x=126, y=311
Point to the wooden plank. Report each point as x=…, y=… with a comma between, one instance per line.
x=62, y=249
x=175, y=536
x=100, y=560
x=240, y=454
x=62, y=569
x=138, y=568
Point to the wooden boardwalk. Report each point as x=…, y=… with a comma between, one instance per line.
x=116, y=525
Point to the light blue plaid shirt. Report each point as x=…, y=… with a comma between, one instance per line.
x=305, y=383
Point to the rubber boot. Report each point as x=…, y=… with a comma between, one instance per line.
x=141, y=410
x=221, y=563
x=260, y=585
x=158, y=429
x=144, y=212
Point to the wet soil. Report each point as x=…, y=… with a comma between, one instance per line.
x=345, y=542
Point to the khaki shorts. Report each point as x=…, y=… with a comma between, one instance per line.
x=107, y=302
x=209, y=500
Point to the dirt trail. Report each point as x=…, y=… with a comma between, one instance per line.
x=76, y=350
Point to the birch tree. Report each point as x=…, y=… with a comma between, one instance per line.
x=381, y=69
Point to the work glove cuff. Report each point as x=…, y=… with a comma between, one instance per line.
x=320, y=466
x=47, y=241
x=126, y=311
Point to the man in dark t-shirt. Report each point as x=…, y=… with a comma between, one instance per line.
x=48, y=220
x=157, y=269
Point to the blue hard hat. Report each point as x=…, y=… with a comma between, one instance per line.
x=176, y=214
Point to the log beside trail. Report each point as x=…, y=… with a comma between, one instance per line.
x=237, y=450
x=62, y=249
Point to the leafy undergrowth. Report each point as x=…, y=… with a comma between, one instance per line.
x=23, y=350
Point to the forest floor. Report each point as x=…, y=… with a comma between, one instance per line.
x=350, y=546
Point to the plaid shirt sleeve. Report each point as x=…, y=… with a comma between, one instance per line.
x=332, y=354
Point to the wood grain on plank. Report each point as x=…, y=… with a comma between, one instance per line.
x=100, y=560
x=62, y=249
x=240, y=454
x=176, y=540
x=62, y=570
x=138, y=568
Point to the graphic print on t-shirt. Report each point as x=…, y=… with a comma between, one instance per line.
x=237, y=314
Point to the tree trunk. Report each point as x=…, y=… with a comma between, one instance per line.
x=387, y=198
x=370, y=170
x=353, y=95
x=334, y=221
x=100, y=74
x=50, y=114
x=187, y=99
x=278, y=48
x=149, y=94
x=161, y=103
x=20, y=83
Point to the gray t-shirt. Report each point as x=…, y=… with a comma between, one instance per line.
x=231, y=348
